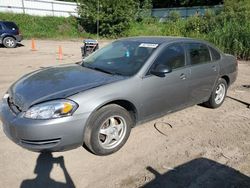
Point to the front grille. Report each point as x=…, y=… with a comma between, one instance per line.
x=41, y=142
x=14, y=108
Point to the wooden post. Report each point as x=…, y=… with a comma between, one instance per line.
x=52, y=4
x=23, y=6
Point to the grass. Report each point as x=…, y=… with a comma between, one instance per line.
x=45, y=27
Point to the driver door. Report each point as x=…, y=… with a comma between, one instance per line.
x=168, y=93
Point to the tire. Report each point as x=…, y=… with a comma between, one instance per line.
x=108, y=130
x=9, y=42
x=218, y=95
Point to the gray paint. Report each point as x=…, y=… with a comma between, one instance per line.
x=151, y=96
x=55, y=83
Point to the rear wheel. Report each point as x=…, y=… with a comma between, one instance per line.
x=108, y=130
x=218, y=95
x=9, y=42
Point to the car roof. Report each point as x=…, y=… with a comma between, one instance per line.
x=162, y=39
x=7, y=22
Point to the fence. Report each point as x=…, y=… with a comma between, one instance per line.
x=39, y=7
x=65, y=9
x=163, y=13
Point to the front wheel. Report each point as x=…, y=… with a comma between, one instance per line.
x=108, y=129
x=218, y=95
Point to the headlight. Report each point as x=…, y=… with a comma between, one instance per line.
x=52, y=109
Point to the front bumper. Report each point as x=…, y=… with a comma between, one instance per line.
x=43, y=135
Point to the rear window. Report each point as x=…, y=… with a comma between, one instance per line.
x=215, y=54
x=10, y=25
x=198, y=53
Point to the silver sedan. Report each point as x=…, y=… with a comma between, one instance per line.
x=96, y=102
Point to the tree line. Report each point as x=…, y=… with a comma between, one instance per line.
x=176, y=3
x=184, y=3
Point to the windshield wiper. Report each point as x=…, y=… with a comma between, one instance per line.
x=82, y=63
x=100, y=69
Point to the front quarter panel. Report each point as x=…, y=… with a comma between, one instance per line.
x=91, y=100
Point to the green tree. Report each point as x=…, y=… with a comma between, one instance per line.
x=174, y=16
x=114, y=17
x=237, y=10
x=144, y=9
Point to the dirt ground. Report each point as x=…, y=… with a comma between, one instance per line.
x=195, y=147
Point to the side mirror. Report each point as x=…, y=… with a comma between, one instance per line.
x=161, y=70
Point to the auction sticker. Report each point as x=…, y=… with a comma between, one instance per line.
x=148, y=45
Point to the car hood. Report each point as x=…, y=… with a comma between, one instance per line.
x=55, y=83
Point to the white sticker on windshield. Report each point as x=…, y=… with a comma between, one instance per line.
x=148, y=45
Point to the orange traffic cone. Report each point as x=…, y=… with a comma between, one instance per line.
x=33, y=45
x=60, y=55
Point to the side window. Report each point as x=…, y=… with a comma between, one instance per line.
x=173, y=56
x=10, y=25
x=215, y=54
x=198, y=53
x=1, y=27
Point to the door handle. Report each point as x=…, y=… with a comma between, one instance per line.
x=214, y=68
x=183, y=76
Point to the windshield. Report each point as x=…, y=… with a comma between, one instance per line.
x=120, y=57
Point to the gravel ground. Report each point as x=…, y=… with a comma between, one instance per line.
x=195, y=147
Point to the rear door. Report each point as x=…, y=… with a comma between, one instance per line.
x=204, y=72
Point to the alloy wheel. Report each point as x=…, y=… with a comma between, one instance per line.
x=112, y=132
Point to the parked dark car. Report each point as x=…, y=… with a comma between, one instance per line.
x=9, y=34
x=96, y=102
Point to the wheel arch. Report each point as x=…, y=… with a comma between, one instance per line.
x=225, y=77
x=7, y=35
x=129, y=106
